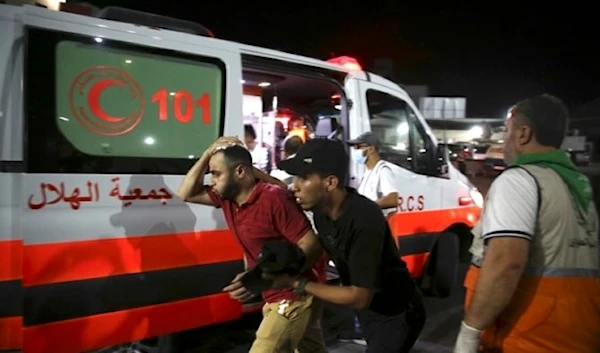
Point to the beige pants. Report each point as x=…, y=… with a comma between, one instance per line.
x=291, y=327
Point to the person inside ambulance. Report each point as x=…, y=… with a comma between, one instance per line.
x=298, y=128
x=261, y=154
x=291, y=146
x=377, y=182
x=534, y=282
x=280, y=136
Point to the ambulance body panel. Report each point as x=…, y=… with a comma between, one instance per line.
x=96, y=250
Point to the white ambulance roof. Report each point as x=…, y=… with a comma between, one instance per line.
x=69, y=22
x=92, y=26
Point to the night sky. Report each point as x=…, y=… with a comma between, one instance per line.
x=494, y=53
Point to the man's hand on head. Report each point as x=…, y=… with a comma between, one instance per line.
x=221, y=143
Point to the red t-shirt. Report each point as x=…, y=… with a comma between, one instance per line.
x=270, y=213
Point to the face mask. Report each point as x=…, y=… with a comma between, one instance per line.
x=359, y=156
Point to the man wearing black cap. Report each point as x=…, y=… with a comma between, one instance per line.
x=356, y=236
x=377, y=184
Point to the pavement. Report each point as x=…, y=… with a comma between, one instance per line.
x=438, y=335
x=443, y=321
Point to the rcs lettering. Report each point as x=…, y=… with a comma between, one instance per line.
x=411, y=203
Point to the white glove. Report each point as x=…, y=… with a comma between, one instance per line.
x=467, y=340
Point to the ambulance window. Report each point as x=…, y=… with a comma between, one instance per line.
x=421, y=144
x=132, y=104
x=102, y=106
x=389, y=120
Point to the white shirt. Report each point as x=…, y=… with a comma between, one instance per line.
x=260, y=157
x=282, y=175
x=510, y=209
x=378, y=182
x=511, y=206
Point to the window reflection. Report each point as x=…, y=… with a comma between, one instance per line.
x=396, y=125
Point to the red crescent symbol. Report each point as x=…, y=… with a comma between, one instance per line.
x=84, y=100
x=94, y=100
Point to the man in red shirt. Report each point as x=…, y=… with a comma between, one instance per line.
x=257, y=211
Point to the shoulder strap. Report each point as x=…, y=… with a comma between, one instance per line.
x=579, y=210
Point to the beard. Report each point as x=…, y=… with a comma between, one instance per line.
x=230, y=190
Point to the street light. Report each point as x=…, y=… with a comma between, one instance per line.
x=476, y=132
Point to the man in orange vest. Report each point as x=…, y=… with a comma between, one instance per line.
x=534, y=282
x=297, y=128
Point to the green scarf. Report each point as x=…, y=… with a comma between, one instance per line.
x=558, y=161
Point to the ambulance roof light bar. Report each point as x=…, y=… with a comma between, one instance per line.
x=348, y=62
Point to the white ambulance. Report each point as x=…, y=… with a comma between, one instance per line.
x=100, y=117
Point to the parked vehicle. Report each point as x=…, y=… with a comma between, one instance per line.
x=494, y=159
x=457, y=155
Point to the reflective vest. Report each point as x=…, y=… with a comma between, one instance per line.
x=556, y=307
x=303, y=133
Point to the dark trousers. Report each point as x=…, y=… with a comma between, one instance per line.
x=394, y=334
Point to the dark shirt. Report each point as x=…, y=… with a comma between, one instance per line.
x=270, y=213
x=361, y=245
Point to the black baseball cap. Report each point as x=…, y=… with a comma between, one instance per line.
x=323, y=156
x=367, y=138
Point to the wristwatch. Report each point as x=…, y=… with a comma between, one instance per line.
x=301, y=286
